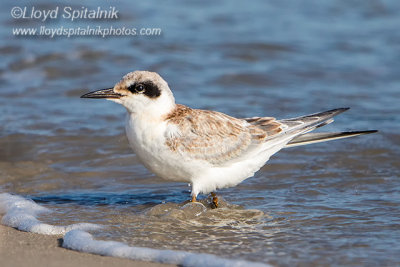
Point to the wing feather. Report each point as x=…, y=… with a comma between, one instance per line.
x=220, y=139
x=216, y=137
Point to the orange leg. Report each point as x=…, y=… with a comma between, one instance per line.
x=194, y=199
x=214, y=200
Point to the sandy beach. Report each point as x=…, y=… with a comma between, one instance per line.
x=19, y=248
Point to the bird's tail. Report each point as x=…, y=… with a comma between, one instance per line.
x=312, y=138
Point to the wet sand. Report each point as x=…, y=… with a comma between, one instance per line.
x=19, y=248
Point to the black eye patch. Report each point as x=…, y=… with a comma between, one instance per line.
x=147, y=88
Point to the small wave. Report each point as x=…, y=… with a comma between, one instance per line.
x=21, y=214
x=82, y=241
x=201, y=213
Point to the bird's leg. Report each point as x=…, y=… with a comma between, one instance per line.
x=194, y=199
x=214, y=203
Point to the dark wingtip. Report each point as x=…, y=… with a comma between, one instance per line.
x=369, y=131
x=330, y=113
x=84, y=95
x=361, y=132
x=340, y=110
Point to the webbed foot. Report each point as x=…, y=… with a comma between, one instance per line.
x=214, y=203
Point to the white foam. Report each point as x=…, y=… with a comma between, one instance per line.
x=83, y=241
x=20, y=213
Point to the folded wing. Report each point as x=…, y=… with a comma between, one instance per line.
x=215, y=137
x=220, y=139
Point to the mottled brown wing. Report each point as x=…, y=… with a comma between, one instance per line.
x=290, y=128
x=213, y=136
x=269, y=125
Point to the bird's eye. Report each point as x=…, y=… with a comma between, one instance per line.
x=139, y=88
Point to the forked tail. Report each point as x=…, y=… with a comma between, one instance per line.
x=305, y=124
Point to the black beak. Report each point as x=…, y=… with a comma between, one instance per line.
x=103, y=93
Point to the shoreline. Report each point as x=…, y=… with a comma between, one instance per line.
x=18, y=248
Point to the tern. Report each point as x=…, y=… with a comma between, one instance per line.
x=208, y=149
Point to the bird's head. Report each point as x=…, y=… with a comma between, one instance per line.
x=141, y=93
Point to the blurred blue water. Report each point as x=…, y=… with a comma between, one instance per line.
x=281, y=59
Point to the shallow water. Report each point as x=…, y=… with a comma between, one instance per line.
x=327, y=204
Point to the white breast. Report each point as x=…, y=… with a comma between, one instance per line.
x=147, y=139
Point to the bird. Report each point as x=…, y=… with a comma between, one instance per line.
x=208, y=149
